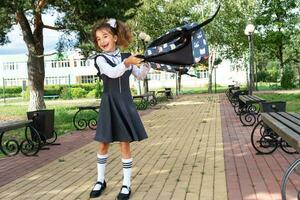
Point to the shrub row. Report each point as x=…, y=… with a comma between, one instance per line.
x=11, y=90
x=91, y=90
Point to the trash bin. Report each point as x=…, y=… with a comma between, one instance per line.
x=273, y=106
x=43, y=122
x=168, y=92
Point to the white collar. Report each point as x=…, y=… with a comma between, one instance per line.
x=113, y=53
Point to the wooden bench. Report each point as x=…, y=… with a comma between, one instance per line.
x=80, y=121
x=145, y=99
x=248, y=109
x=140, y=102
x=29, y=146
x=228, y=92
x=164, y=94
x=234, y=96
x=283, y=129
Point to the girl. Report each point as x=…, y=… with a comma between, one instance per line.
x=118, y=118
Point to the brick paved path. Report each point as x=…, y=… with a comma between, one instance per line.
x=250, y=176
x=181, y=159
x=14, y=167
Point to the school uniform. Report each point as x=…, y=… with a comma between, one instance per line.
x=118, y=118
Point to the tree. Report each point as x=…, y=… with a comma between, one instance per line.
x=76, y=16
x=226, y=34
x=277, y=22
x=292, y=53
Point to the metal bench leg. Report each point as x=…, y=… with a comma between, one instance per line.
x=10, y=147
x=287, y=173
x=32, y=143
x=248, y=115
x=80, y=123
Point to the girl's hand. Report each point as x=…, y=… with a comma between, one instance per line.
x=132, y=60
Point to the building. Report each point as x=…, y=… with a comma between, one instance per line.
x=73, y=69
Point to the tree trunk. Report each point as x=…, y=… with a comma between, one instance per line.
x=299, y=74
x=211, y=61
x=179, y=83
x=280, y=58
x=36, y=74
x=146, y=88
x=35, y=64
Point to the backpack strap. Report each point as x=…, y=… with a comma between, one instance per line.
x=123, y=56
x=106, y=59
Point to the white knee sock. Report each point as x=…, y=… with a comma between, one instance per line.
x=101, y=164
x=127, y=166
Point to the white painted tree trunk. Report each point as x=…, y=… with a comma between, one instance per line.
x=36, y=100
x=211, y=61
x=36, y=73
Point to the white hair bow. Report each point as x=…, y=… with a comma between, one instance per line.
x=112, y=22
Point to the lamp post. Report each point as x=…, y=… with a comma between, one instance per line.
x=145, y=38
x=249, y=30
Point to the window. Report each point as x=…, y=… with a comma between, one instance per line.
x=85, y=63
x=57, y=80
x=14, y=81
x=60, y=63
x=205, y=73
x=88, y=79
x=8, y=66
x=154, y=75
x=202, y=74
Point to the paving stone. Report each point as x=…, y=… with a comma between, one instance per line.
x=181, y=159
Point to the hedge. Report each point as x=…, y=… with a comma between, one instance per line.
x=11, y=90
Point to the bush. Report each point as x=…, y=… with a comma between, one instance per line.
x=269, y=75
x=262, y=76
x=65, y=93
x=10, y=95
x=86, y=86
x=272, y=76
x=12, y=90
x=288, y=78
x=26, y=94
x=133, y=91
x=99, y=89
x=52, y=90
x=78, y=92
x=92, y=94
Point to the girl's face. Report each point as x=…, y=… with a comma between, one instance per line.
x=106, y=40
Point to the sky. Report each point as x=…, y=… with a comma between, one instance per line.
x=18, y=46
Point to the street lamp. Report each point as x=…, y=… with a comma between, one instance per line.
x=249, y=30
x=145, y=39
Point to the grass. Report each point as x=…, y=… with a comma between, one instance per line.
x=64, y=112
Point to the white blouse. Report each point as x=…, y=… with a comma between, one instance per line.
x=120, y=68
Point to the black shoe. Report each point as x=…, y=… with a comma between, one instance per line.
x=97, y=193
x=122, y=196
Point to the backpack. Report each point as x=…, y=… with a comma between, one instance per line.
x=185, y=46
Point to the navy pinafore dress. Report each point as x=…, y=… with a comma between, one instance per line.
x=118, y=119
